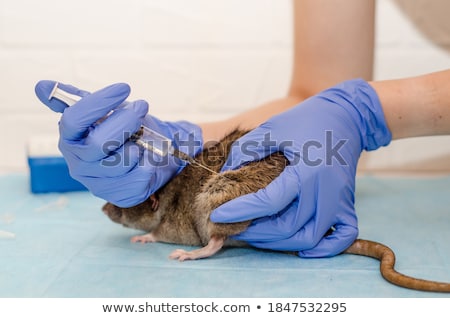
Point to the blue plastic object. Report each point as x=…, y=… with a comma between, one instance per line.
x=51, y=174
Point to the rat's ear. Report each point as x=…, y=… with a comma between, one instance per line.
x=154, y=202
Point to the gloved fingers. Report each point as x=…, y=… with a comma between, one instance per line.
x=77, y=119
x=119, y=162
x=44, y=88
x=187, y=136
x=293, y=243
x=291, y=230
x=125, y=190
x=105, y=138
x=305, y=226
x=270, y=230
x=333, y=244
x=265, y=202
x=73, y=90
x=112, y=133
x=135, y=186
x=121, y=185
x=335, y=208
x=253, y=146
x=310, y=240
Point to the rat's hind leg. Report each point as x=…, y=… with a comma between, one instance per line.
x=230, y=185
x=219, y=189
x=213, y=246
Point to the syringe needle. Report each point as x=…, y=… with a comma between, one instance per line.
x=183, y=156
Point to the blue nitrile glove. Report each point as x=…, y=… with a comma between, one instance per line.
x=322, y=138
x=100, y=155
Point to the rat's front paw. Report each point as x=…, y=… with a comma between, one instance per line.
x=146, y=238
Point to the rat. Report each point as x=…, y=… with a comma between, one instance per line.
x=179, y=212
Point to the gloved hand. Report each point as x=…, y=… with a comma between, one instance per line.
x=99, y=153
x=322, y=138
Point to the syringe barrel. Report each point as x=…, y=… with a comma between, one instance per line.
x=145, y=137
x=151, y=140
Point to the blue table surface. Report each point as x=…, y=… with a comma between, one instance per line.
x=61, y=245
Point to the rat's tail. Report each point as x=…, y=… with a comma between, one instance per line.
x=387, y=263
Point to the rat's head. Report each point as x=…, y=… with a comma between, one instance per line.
x=113, y=212
x=144, y=216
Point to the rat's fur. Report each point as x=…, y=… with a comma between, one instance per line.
x=179, y=212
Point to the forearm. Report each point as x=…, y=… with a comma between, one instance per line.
x=214, y=131
x=416, y=106
x=324, y=54
x=333, y=42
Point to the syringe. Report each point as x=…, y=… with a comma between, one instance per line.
x=146, y=138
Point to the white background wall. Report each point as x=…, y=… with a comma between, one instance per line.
x=197, y=60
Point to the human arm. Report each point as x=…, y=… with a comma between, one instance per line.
x=416, y=106
x=401, y=108
x=324, y=54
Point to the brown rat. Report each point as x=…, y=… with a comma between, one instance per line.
x=179, y=212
